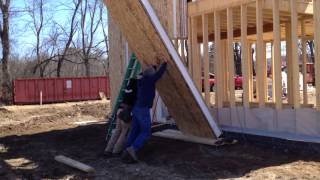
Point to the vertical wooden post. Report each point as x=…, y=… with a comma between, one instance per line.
x=316, y=22
x=190, y=33
x=224, y=70
x=289, y=63
x=265, y=83
x=230, y=57
x=259, y=51
x=206, y=58
x=272, y=73
x=277, y=54
x=183, y=54
x=244, y=55
x=250, y=72
x=295, y=58
x=218, y=77
x=304, y=63
x=196, y=63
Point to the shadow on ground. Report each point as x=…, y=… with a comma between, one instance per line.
x=33, y=157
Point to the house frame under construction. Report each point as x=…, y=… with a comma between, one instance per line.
x=255, y=24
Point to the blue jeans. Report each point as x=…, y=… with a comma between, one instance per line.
x=140, y=128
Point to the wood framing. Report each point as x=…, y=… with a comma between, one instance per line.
x=206, y=58
x=316, y=5
x=289, y=62
x=196, y=63
x=217, y=58
x=250, y=67
x=295, y=58
x=259, y=51
x=304, y=63
x=147, y=38
x=230, y=57
x=190, y=47
x=277, y=55
x=207, y=6
x=244, y=56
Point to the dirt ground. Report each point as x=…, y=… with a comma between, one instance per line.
x=30, y=137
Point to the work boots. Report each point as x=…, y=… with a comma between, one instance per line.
x=129, y=156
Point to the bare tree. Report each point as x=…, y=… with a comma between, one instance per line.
x=36, y=12
x=89, y=27
x=4, y=33
x=70, y=35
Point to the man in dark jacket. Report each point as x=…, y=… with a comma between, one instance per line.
x=117, y=141
x=141, y=124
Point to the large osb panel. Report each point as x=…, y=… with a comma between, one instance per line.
x=134, y=23
x=116, y=59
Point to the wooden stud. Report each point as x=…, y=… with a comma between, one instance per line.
x=259, y=51
x=224, y=70
x=316, y=16
x=295, y=57
x=304, y=63
x=250, y=64
x=190, y=46
x=183, y=54
x=244, y=56
x=289, y=63
x=265, y=84
x=206, y=58
x=277, y=54
x=230, y=57
x=218, y=77
x=273, y=90
x=207, y=6
x=196, y=63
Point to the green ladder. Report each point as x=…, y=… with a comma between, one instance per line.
x=131, y=72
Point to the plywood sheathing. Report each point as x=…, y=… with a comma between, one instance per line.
x=117, y=48
x=116, y=59
x=143, y=39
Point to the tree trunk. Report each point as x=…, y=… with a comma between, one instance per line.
x=60, y=62
x=6, y=95
x=87, y=67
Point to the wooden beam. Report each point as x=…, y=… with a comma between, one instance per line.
x=237, y=32
x=75, y=164
x=277, y=55
x=230, y=57
x=206, y=58
x=316, y=5
x=208, y=6
x=289, y=63
x=250, y=64
x=190, y=46
x=259, y=51
x=196, y=63
x=295, y=58
x=244, y=56
x=273, y=90
x=224, y=70
x=217, y=59
x=264, y=68
x=304, y=63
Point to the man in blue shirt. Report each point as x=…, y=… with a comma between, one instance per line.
x=141, y=124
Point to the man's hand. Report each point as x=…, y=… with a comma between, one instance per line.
x=161, y=58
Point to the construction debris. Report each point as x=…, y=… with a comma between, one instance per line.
x=74, y=164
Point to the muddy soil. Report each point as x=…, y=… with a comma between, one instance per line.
x=31, y=136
